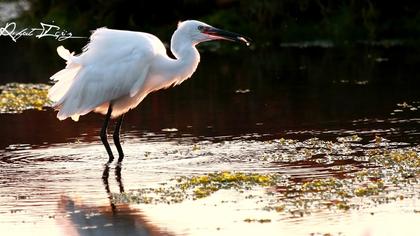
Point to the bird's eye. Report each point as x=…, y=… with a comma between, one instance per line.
x=201, y=28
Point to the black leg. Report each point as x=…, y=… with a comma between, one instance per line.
x=117, y=138
x=104, y=134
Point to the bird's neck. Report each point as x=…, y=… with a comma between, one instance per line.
x=187, y=58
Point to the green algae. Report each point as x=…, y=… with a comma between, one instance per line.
x=382, y=171
x=17, y=97
x=262, y=221
x=204, y=185
x=196, y=187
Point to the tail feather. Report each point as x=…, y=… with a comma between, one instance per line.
x=65, y=79
x=64, y=53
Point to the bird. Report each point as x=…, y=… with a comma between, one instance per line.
x=117, y=69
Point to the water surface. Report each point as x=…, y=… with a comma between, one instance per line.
x=231, y=116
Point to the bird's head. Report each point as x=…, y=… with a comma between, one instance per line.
x=200, y=32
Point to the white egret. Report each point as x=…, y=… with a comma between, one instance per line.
x=117, y=69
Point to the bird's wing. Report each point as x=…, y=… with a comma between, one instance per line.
x=114, y=64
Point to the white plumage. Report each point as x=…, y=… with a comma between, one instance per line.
x=117, y=69
x=112, y=67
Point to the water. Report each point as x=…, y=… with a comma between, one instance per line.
x=231, y=116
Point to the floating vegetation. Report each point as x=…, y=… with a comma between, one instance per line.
x=16, y=97
x=197, y=187
x=360, y=174
x=205, y=185
x=405, y=107
x=248, y=220
x=353, y=138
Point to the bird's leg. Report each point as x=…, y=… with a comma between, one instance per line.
x=104, y=134
x=117, y=138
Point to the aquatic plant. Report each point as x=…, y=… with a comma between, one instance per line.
x=17, y=97
x=383, y=167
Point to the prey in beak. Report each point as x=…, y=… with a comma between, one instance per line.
x=216, y=33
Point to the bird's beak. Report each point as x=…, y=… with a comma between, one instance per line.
x=222, y=34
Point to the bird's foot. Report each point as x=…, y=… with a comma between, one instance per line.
x=120, y=158
x=111, y=158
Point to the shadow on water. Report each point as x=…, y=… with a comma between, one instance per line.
x=115, y=219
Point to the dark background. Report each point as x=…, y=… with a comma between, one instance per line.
x=317, y=68
x=268, y=21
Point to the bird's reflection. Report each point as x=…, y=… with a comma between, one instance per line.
x=112, y=219
x=105, y=177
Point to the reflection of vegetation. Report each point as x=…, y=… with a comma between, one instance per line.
x=382, y=172
x=16, y=97
x=267, y=20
